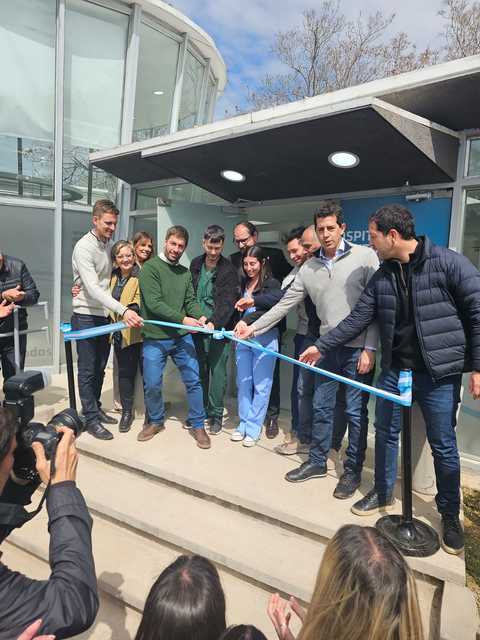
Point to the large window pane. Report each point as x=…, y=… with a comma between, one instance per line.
x=192, y=86
x=95, y=46
x=157, y=70
x=28, y=234
x=474, y=158
x=471, y=237
x=185, y=192
x=27, y=92
x=210, y=101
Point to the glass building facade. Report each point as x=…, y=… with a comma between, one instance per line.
x=80, y=76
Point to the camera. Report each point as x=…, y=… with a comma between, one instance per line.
x=19, y=390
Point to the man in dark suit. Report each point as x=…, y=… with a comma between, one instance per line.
x=245, y=235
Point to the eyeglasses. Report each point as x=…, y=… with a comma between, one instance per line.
x=242, y=241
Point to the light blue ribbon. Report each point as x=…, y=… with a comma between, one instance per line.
x=404, y=382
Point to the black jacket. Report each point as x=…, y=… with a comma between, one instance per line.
x=67, y=602
x=265, y=297
x=445, y=290
x=15, y=272
x=226, y=291
x=278, y=263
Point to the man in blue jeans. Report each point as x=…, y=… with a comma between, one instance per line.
x=426, y=299
x=167, y=294
x=334, y=278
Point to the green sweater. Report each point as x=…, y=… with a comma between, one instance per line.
x=167, y=293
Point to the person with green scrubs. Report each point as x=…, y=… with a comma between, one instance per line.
x=217, y=288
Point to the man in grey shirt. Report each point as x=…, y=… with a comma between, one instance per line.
x=334, y=279
x=92, y=269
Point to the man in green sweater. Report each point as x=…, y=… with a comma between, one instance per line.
x=167, y=294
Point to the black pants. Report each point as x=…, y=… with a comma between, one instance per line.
x=92, y=360
x=7, y=355
x=129, y=360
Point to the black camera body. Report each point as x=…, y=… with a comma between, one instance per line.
x=19, y=390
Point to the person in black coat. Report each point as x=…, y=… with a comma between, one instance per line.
x=254, y=368
x=245, y=235
x=426, y=300
x=217, y=288
x=17, y=286
x=66, y=603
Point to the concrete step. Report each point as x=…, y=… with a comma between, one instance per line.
x=127, y=564
x=127, y=568
x=253, y=480
x=115, y=619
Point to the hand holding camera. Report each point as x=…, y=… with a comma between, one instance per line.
x=66, y=458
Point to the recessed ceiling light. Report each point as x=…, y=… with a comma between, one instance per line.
x=158, y=92
x=233, y=176
x=344, y=159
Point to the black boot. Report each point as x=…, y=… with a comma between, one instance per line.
x=126, y=421
x=106, y=419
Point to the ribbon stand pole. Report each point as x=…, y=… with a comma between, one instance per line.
x=70, y=375
x=411, y=536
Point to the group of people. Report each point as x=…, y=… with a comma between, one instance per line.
x=420, y=305
x=364, y=587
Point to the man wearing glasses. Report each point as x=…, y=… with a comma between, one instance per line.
x=245, y=235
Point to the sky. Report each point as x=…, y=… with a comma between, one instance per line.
x=243, y=31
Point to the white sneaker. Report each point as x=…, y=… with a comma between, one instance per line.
x=249, y=442
x=237, y=436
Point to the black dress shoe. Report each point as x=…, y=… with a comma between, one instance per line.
x=106, y=419
x=214, y=426
x=373, y=503
x=271, y=429
x=347, y=485
x=306, y=471
x=453, y=538
x=97, y=430
x=125, y=421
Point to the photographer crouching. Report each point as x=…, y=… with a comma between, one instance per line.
x=30, y=453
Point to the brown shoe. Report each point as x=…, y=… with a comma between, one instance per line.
x=150, y=430
x=202, y=438
x=271, y=429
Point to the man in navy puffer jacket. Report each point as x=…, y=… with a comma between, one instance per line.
x=426, y=300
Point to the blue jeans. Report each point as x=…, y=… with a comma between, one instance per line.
x=92, y=360
x=303, y=384
x=254, y=383
x=342, y=361
x=183, y=354
x=438, y=402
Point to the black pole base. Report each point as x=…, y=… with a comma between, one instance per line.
x=412, y=538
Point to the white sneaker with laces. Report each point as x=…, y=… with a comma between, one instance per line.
x=237, y=436
x=249, y=442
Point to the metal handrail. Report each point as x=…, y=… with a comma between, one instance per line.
x=16, y=333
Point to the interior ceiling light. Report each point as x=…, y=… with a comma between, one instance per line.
x=158, y=92
x=344, y=159
x=232, y=176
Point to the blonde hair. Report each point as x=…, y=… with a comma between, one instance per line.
x=118, y=246
x=364, y=590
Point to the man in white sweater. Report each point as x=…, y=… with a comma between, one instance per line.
x=334, y=279
x=92, y=268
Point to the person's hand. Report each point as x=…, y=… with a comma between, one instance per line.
x=76, y=290
x=66, y=459
x=30, y=632
x=474, y=385
x=132, y=319
x=366, y=361
x=202, y=320
x=210, y=326
x=243, y=330
x=191, y=322
x=244, y=303
x=280, y=612
x=14, y=295
x=310, y=356
x=6, y=308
